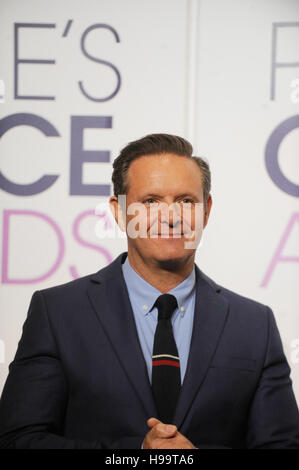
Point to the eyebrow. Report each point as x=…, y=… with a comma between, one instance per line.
x=159, y=196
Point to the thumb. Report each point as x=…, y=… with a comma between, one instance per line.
x=151, y=422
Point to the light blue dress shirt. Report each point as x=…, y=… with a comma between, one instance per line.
x=143, y=296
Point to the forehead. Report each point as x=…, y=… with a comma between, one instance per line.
x=165, y=172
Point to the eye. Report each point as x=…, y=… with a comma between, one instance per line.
x=150, y=200
x=187, y=200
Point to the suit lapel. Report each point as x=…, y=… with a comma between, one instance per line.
x=109, y=297
x=211, y=310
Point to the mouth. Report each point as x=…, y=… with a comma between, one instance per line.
x=167, y=235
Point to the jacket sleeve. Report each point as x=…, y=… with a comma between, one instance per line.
x=35, y=395
x=273, y=417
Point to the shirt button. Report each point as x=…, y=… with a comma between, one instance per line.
x=145, y=307
x=182, y=309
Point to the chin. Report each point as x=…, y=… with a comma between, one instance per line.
x=168, y=253
x=173, y=253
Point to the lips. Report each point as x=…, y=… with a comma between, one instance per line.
x=166, y=234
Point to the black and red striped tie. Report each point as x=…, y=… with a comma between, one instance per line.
x=166, y=376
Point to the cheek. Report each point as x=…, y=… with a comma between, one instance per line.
x=188, y=218
x=198, y=217
x=153, y=218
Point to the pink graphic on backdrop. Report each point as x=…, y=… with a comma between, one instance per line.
x=278, y=256
x=100, y=249
x=5, y=247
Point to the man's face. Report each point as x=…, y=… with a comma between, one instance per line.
x=157, y=183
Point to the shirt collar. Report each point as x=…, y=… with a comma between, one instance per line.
x=146, y=294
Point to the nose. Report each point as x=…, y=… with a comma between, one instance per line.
x=171, y=214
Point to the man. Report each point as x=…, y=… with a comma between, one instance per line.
x=149, y=352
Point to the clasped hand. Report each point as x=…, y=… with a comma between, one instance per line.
x=164, y=436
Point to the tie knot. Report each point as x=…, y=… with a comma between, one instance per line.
x=166, y=305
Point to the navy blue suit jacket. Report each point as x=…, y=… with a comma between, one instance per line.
x=79, y=379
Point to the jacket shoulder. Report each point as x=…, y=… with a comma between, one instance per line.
x=234, y=298
x=75, y=284
x=239, y=299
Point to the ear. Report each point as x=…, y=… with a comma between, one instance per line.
x=207, y=210
x=117, y=213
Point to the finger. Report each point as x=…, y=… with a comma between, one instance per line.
x=177, y=442
x=162, y=430
x=151, y=422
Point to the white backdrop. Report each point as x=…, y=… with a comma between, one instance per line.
x=222, y=73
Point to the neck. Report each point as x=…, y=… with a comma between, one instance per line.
x=163, y=275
